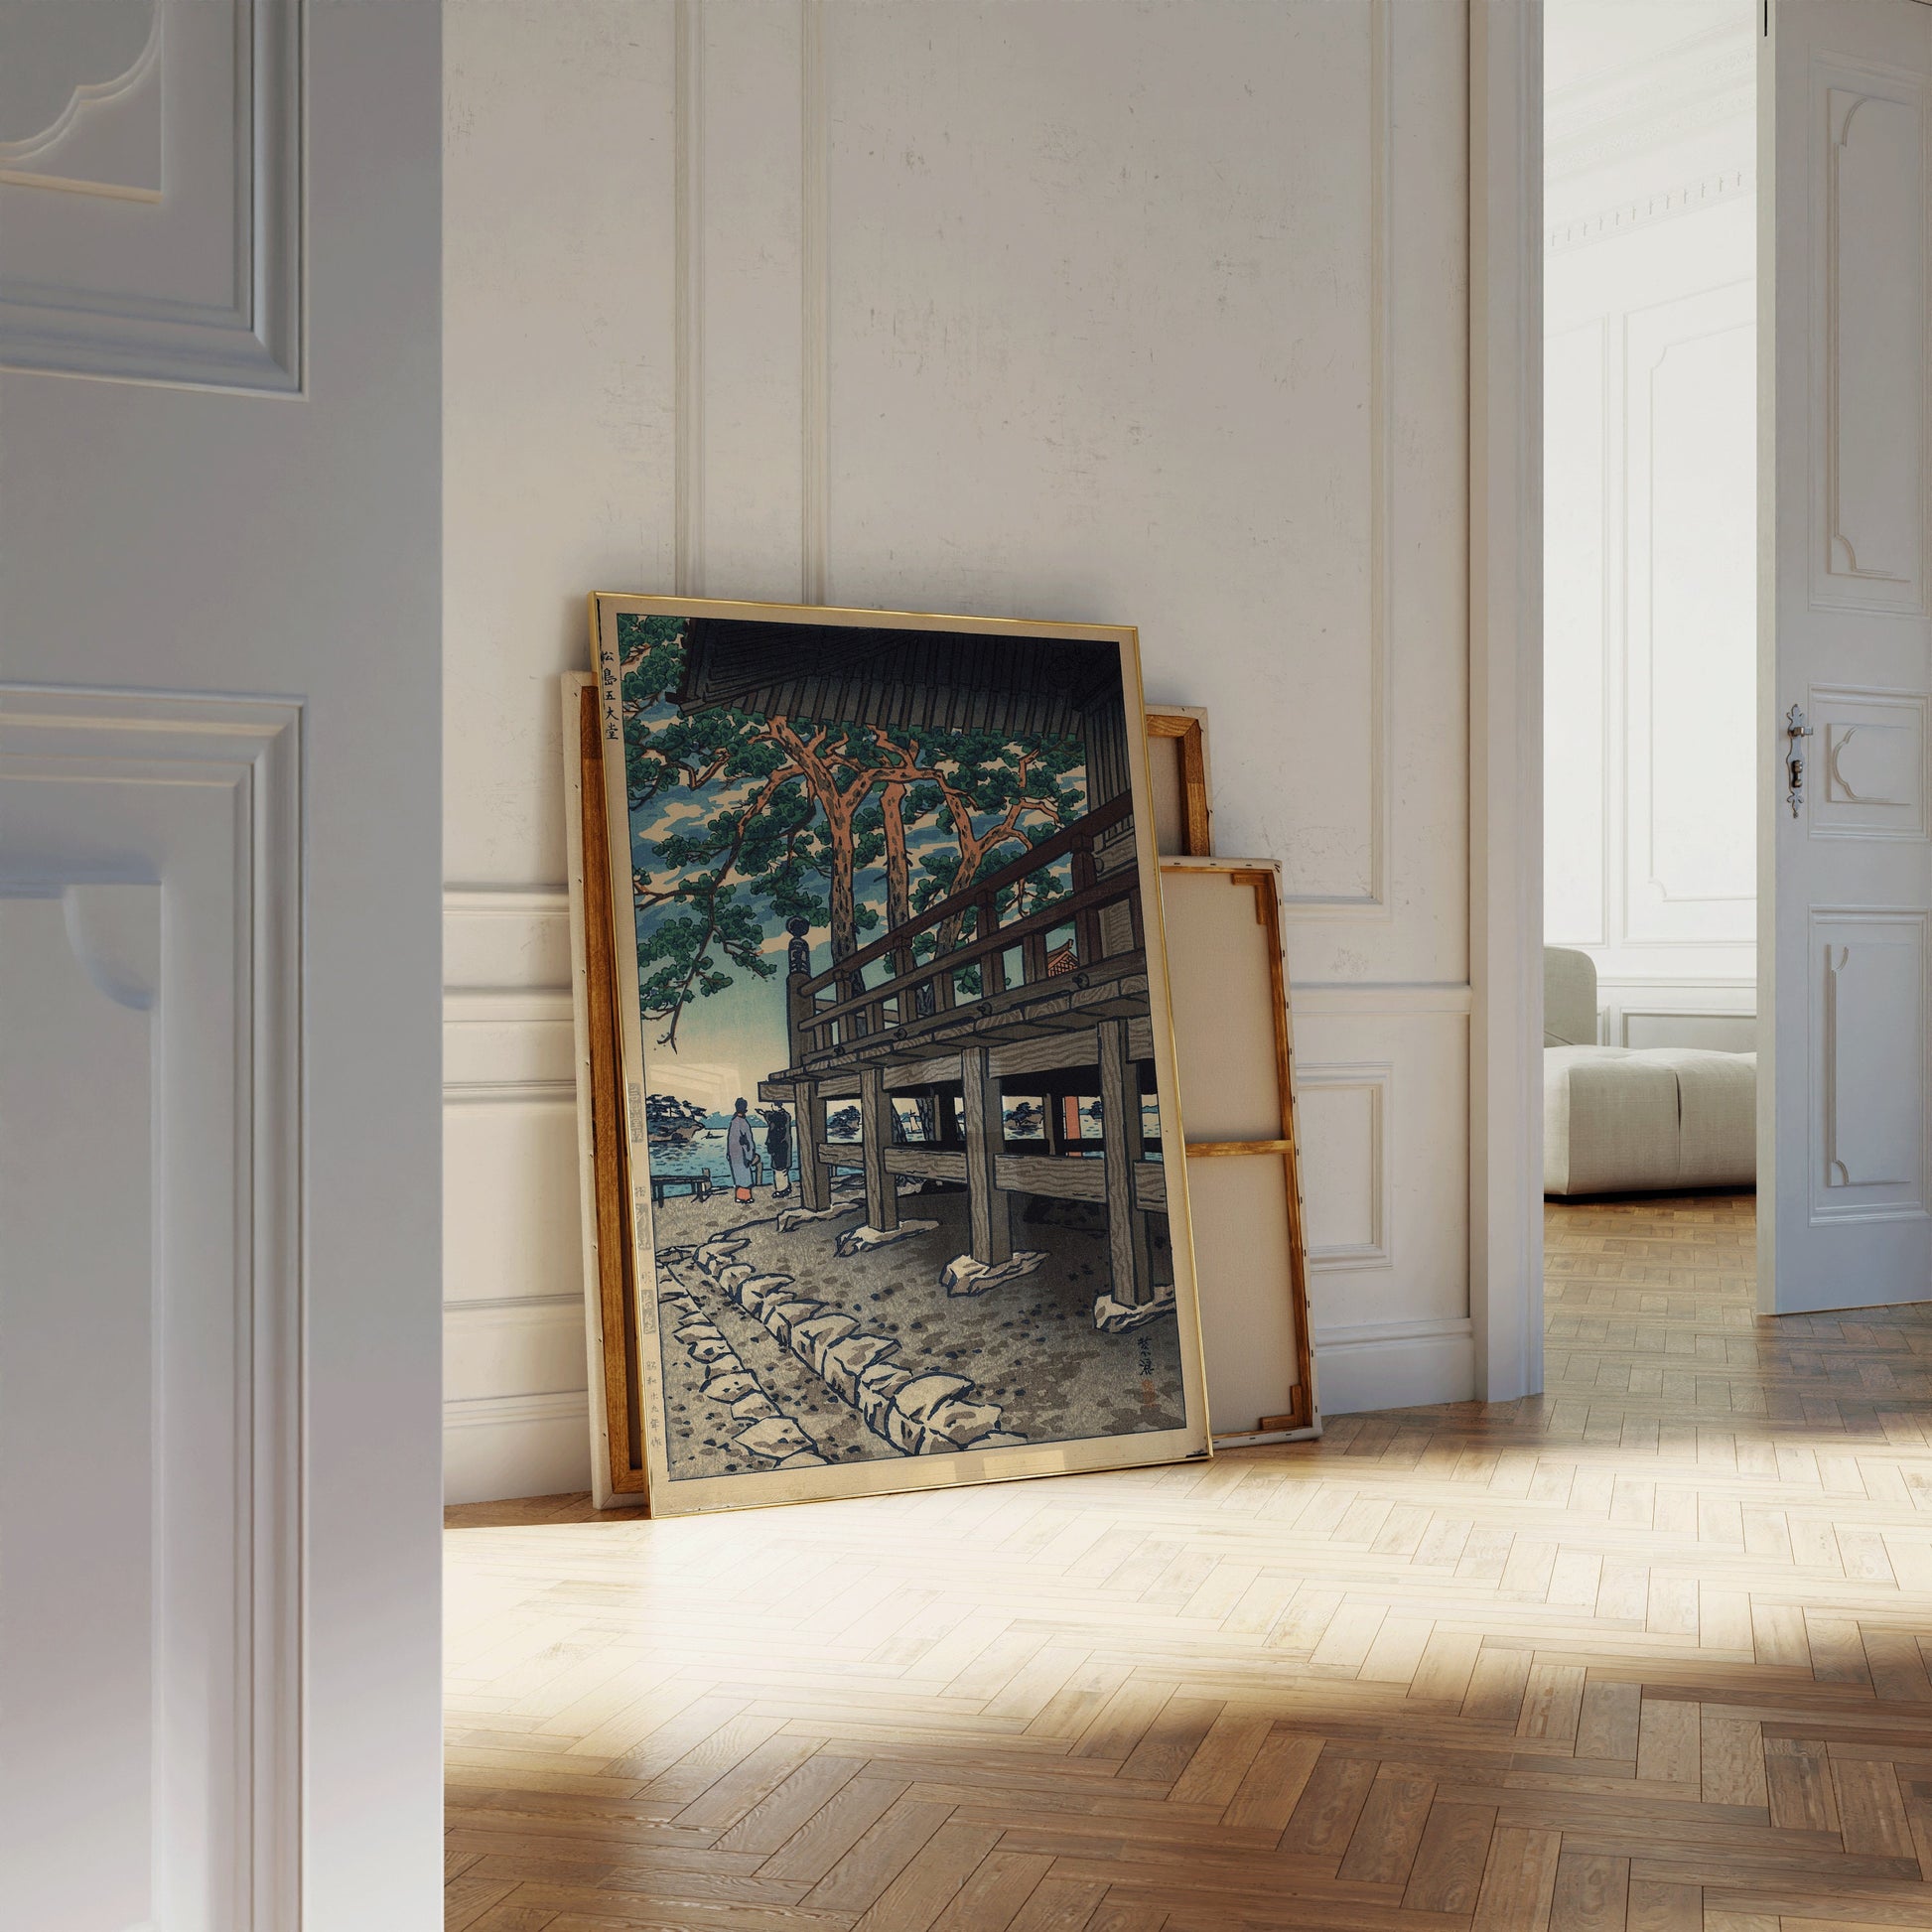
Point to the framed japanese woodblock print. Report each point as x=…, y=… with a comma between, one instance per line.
x=907, y=1186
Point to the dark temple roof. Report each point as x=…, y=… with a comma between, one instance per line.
x=911, y=679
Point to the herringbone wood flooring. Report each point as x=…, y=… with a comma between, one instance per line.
x=1647, y=1652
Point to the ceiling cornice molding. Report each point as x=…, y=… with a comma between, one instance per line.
x=1683, y=88
x=1645, y=210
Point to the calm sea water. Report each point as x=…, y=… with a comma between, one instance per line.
x=708, y=1151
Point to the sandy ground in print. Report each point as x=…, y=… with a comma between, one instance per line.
x=779, y=1351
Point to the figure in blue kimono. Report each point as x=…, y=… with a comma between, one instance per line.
x=741, y=1151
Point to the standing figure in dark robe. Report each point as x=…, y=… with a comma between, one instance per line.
x=777, y=1147
x=741, y=1151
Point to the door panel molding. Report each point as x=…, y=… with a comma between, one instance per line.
x=1872, y=1007
x=175, y=261
x=1871, y=342
x=1873, y=763
x=189, y=1801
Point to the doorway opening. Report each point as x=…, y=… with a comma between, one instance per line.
x=1650, y=599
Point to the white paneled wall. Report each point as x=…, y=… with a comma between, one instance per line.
x=1143, y=312
x=1650, y=485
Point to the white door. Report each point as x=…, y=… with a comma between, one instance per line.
x=1846, y=610
x=219, y=843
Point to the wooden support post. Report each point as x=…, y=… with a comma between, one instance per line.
x=989, y=1211
x=993, y=965
x=800, y=1007
x=876, y=1125
x=1086, y=924
x=814, y=1176
x=1120, y=1126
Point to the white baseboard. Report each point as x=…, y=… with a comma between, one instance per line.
x=1395, y=1364
x=496, y=1448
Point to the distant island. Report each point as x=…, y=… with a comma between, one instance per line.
x=670, y=1121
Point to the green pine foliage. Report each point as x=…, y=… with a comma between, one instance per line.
x=852, y=827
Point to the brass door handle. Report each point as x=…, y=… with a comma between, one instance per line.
x=1796, y=731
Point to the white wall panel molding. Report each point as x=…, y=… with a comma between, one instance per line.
x=505, y=1006
x=561, y=425
x=507, y=938
x=1689, y=748
x=1345, y=1109
x=503, y=1352
x=1373, y=903
x=516, y=1446
x=489, y=1412
x=173, y=251
x=152, y=844
x=1581, y=694
x=1870, y=389
x=688, y=385
x=1394, y=1364
x=1717, y=1013
x=518, y=1310
x=754, y=379
x=1381, y=1099
x=814, y=340
x=1651, y=1024
x=513, y=1361
x=560, y=1092
x=1358, y=1000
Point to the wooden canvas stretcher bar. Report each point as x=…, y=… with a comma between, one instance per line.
x=1234, y=1046
x=610, y=1278
x=1183, y=799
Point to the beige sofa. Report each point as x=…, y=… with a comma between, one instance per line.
x=1620, y=1120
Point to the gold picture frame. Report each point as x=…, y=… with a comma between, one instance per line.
x=904, y=1027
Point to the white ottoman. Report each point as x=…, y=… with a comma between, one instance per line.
x=1622, y=1121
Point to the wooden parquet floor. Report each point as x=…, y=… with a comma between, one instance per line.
x=1647, y=1652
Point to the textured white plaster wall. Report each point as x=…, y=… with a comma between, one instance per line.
x=1141, y=313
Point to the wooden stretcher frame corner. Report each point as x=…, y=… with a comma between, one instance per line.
x=1261, y=877
x=1181, y=731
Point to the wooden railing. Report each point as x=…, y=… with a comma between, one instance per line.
x=835, y=1009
